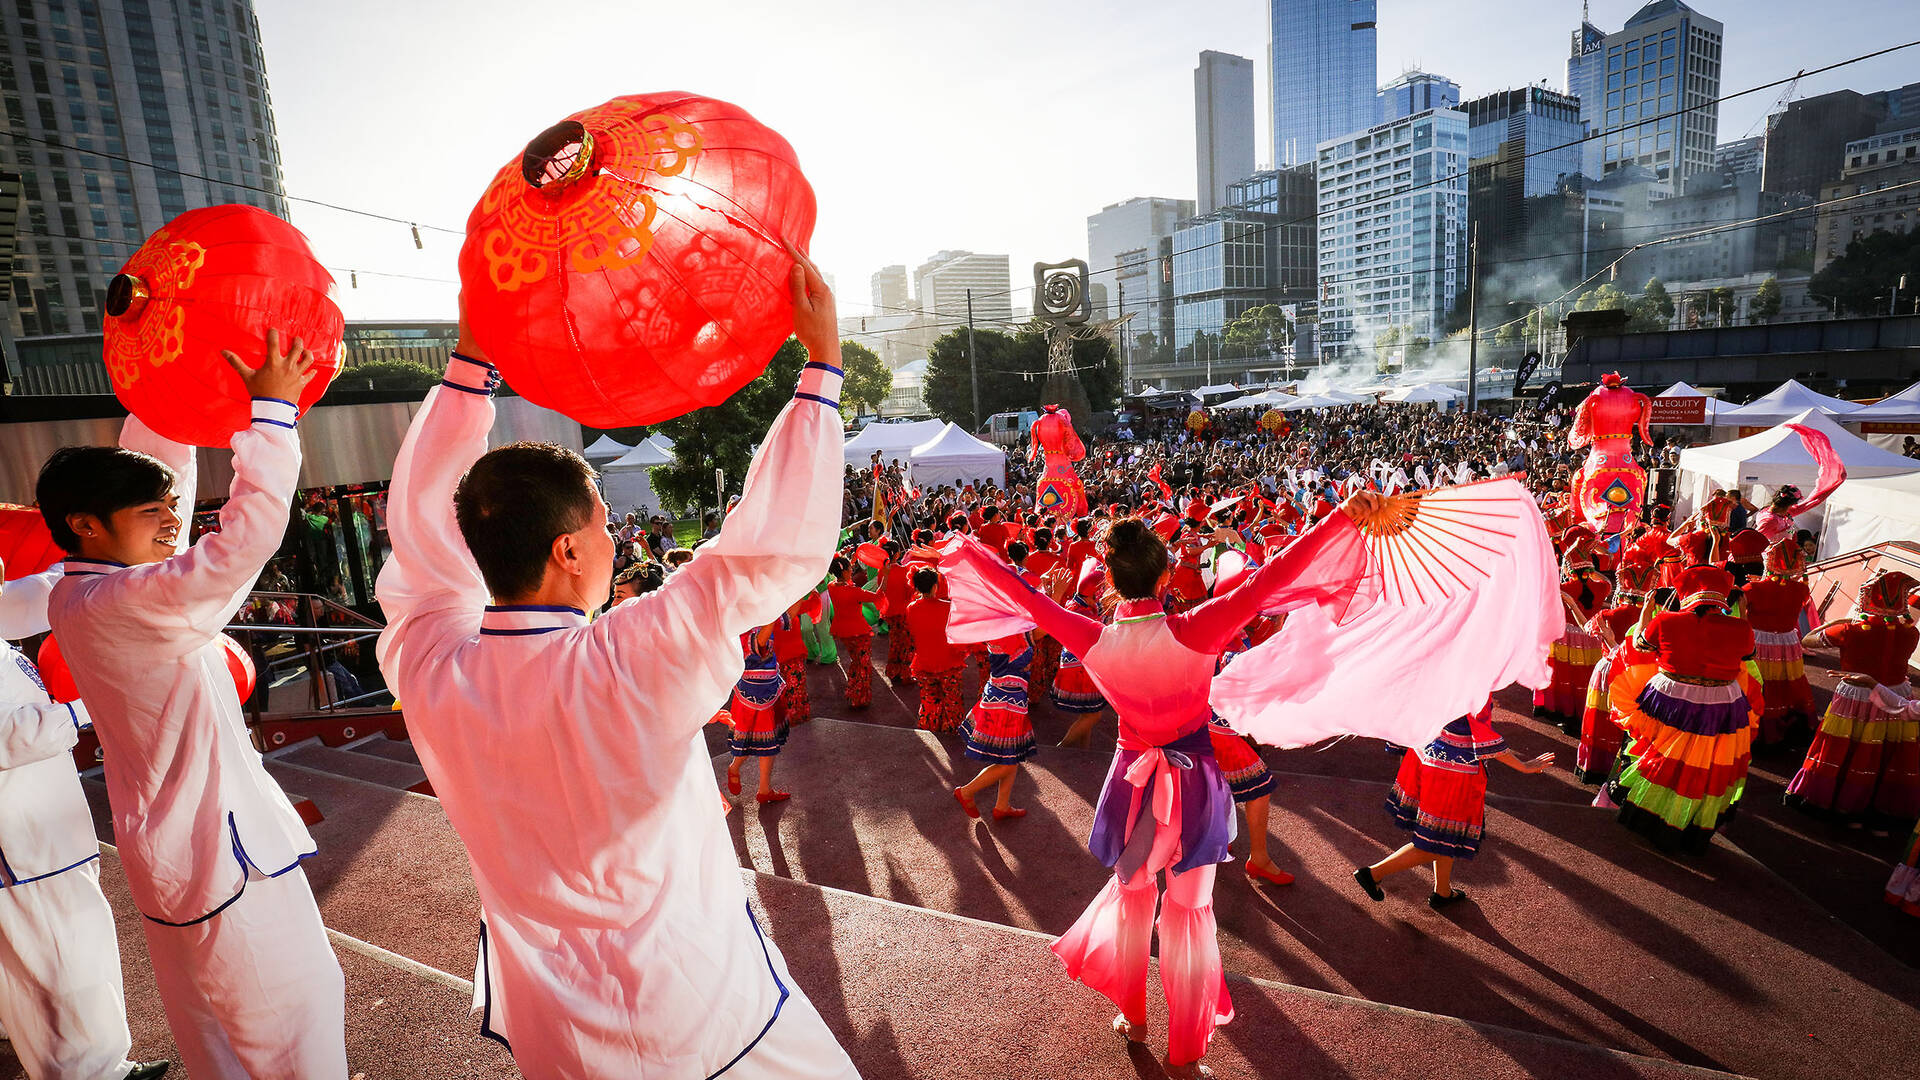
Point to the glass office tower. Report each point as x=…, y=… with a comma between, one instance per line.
x=1323, y=58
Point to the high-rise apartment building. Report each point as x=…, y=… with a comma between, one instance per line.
x=1222, y=124
x=178, y=83
x=1393, y=229
x=1524, y=153
x=1740, y=156
x=1872, y=165
x=942, y=282
x=1647, y=91
x=1416, y=91
x=889, y=285
x=1123, y=242
x=1324, y=59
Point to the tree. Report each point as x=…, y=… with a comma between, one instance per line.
x=868, y=380
x=1658, y=303
x=388, y=375
x=1860, y=280
x=1258, y=331
x=1511, y=333
x=1013, y=372
x=723, y=436
x=1724, y=304
x=1766, y=301
x=1605, y=298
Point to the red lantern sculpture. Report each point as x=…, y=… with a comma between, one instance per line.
x=630, y=265
x=58, y=679
x=1059, y=446
x=214, y=279
x=1610, y=486
x=26, y=546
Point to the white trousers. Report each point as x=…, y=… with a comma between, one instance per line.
x=798, y=1046
x=255, y=992
x=60, y=995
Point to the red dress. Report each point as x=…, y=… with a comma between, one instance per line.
x=855, y=634
x=1440, y=794
x=1865, y=762
x=936, y=664
x=998, y=730
x=790, y=650
x=898, y=590
x=1773, y=606
x=1572, y=657
x=1073, y=689
x=1600, y=733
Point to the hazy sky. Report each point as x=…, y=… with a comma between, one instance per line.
x=991, y=125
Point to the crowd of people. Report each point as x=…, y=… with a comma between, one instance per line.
x=591, y=651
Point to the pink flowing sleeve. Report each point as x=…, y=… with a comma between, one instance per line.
x=991, y=600
x=1327, y=567
x=1833, y=471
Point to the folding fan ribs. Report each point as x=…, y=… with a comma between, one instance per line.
x=1436, y=543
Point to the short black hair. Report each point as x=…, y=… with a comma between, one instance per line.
x=513, y=503
x=1135, y=559
x=838, y=566
x=989, y=512
x=97, y=480
x=925, y=580
x=1042, y=539
x=1016, y=551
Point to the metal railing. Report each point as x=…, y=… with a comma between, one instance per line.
x=291, y=656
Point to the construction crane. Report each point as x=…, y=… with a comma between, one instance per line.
x=1779, y=105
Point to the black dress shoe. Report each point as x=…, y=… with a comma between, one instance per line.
x=148, y=1070
x=1436, y=901
x=1364, y=875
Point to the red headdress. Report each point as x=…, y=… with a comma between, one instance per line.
x=1885, y=594
x=1746, y=546
x=1704, y=585
x=1785, y=559
x=1694, y=547
x=1635, y=577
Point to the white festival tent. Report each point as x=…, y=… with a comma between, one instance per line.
x=1759, y=464
x=1777, y=407
x=1423, y=395
x=1900, y=408
x=956, y=458
x=1870, y=510
x=627, y=482
x=1264, y=399
x=661, y=441
x=605, y=448
x=895, y=442
x=1349, y=397
x=1314, y=401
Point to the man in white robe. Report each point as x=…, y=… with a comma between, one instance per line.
x=210, y=844
x=615, y=936
x=61, y=1001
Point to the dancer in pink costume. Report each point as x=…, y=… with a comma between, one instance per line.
x=1165, y=806
x=1350, y=599
x=1054, y=440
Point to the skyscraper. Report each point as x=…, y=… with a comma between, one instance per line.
x=941, y=284
x=1123, y=242
x=1393, y=251
x=1633, y=85
x=1523, y=148
x=1324, y=62
x=1222, y=124
x=178, y=83
x=1417, y=91
x=890, y=290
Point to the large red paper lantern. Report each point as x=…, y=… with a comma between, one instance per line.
x=58, y=680
x=629, y=266
x=213, y=279
x=26, y=545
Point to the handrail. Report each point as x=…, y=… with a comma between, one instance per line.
x=312, y=638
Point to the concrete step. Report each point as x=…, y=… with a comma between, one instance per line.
x=381, y=746
x=372, y=768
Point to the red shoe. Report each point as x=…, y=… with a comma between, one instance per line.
x=966, y=802
x=733, y=783
x=765, y=797
x=1002, y=815
x=1278, y=878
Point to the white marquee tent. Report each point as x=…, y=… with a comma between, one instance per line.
x=956, y=458
x=1759, y=464
x=1777, y=407
x=605, y=448
x=1425, y=394
x=895, y=442
x=626, y=483
x=1871, y=510
x=1900, y=408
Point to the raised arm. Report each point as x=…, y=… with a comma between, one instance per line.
x=981, y=580
x=1325, y=566
x=776, y=542
x=185, y=600
x=23, y=604
x=430, y=568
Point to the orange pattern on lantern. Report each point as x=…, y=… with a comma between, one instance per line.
x=160, y=334
x=610, y=221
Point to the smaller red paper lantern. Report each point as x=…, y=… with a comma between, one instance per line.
x=26, y=545
x=629, y=266
x=58, y=679
x=213, y=279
